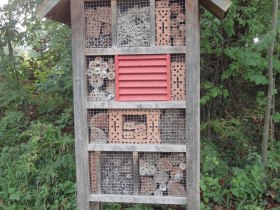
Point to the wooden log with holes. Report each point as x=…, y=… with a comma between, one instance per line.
x=175, y=189
x=176, y=174
x=164, y=164
x=100, y=120
x=148, y=185
x=97, y=135
x=146, y=168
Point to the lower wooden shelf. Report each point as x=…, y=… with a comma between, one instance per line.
x=136, y=148
x=137, y=199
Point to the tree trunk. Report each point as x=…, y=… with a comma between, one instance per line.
x=270, y=85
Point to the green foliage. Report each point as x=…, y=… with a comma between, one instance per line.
x=38, y=174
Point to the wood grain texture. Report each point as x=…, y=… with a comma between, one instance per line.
x=135, y=173
x=136, y=148
x=80, y=112
x=192, y=103
x=218, y=7
x=114, y=23
x=57, y=10
x=153, y=23
x=136, y=105
x=135, y=50
x=138, y=199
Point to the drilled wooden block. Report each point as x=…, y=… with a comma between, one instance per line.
x=116, y=126
x=178, y=84
x=163, y=26
x=92, y=172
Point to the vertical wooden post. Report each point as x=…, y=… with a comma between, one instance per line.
x=114, y=23
x=192, y=103
x=153, y=23
x=97, y=205
x=80, y=111
x=135, y=173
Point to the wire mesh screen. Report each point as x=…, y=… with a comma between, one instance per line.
x=133, y=23
x=117, y=173
x=170, y=22
x=100, y=78
x=173, y=126
x=166, y=126
x=178, y=77
x=98, y=120
x=162, y=174
x=92, y=171
x=98, y=24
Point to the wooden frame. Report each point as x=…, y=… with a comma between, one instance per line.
x=80, y=115
x=191, y=51
x=192, y=102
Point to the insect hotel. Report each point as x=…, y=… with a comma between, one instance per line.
x=136, y=98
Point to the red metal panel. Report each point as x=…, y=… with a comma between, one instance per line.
x=143, y=78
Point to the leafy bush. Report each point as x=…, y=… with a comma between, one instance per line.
x=39, y=174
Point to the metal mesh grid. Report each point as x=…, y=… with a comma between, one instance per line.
x=92, y=171
x=178, y=77
x=173, y=126
x=133, y=23
x=98, y=120
x=117, y=173
x=170, y=22
x=98, y=24
x=162, y=174
x=166, y=126
x=100, y=78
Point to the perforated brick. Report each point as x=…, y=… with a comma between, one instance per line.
x=163, y=26
x=145, y=129
x=92, y=172
x=178, y=78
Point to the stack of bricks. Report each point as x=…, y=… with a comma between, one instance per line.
x=163, y=23
x=98, y=26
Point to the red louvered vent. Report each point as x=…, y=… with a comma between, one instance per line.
x=143, y=78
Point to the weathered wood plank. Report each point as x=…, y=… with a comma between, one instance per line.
x=135, y=50
x=136, y=105
x=137, y=147
x=192, y=103
x=52, y=9
x=135, y=173
x=153, y=23
x=114, y=23
x=138, y=199
x=218, y=7
x=80, y=114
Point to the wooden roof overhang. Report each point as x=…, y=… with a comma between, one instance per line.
x=59, y=10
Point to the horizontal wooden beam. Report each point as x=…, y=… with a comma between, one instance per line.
x=137, y=147
x=137, y=199
x=218, y=7
x=136, y=105
x=135, y=50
